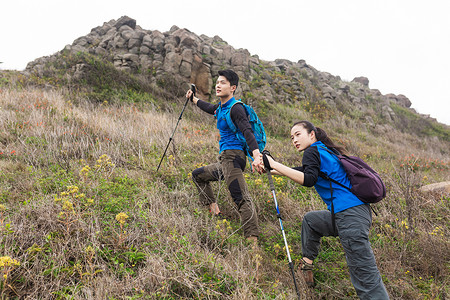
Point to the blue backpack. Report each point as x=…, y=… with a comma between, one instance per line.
x=255, y=123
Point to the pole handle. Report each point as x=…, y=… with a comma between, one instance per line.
x=266, y=160
x=268, y=169
x=194, y=90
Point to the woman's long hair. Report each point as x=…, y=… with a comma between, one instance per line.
x=321, y=135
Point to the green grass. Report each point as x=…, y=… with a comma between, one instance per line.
x=74, y=245
x=411, y=122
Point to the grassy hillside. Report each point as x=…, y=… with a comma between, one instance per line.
x=84, y=215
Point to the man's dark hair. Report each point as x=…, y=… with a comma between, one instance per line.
x=231, y=76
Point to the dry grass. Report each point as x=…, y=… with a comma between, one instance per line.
x=169, y=247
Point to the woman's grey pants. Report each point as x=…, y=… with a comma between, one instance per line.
x=352, y=227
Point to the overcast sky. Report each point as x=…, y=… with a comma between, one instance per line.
x=402, y=46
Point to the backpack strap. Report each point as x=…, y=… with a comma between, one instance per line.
x=228, y=116
x=325, y=176
x=333, y=218
x=234, y=128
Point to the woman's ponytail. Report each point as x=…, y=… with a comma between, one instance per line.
x=322, y=136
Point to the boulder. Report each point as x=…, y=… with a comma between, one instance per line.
x=201, y=76
x=403, y=101
x=188, y=55
x=172, y=62
x=363, y=80
x=157, y=41
x=399, y=99
x=241, y=58
x=144, y=50
x=375, y=92
x=125, y=21
x=186, y=39
x=328, y=92
x=119, y=42
x=147, y=41
x=387, y=113
x=186, y=69
x=440, y=187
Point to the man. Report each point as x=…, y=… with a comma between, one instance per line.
x=232, y=159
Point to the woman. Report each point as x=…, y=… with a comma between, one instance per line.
x=352, y=217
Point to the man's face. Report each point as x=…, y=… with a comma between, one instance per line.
x=223, y=87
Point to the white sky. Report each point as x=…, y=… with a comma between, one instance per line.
x=402, y=46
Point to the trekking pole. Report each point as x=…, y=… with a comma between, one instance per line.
x=272, y=188
x=193, y=89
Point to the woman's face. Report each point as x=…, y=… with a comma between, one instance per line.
x=301, y=138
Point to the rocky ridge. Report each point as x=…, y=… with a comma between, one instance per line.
x=187, y=57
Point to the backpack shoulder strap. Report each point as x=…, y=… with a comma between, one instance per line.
x=331, y=151
x=325, y=176
x=228, y=115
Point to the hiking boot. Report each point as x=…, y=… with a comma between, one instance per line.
x=307, y=272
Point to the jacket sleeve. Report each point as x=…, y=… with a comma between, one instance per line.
x=311, y=166
x=240, y=119
x=207, y=107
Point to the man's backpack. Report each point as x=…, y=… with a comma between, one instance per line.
x=255, y=123
x=366, y=183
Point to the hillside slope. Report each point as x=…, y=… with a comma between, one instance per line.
x=84, y=215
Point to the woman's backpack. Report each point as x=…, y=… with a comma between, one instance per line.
x=366, y=183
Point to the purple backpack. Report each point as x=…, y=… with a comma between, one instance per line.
x=366, y=183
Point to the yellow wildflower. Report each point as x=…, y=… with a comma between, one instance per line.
x=68, y=206
x=6, y=261
x=278, y=180
x=405, y=224
x=121, y=217
x=72, y=189
x=277, y=249
x=89, y=250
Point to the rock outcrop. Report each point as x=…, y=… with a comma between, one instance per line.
x=363, y=80
x=187, y=57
